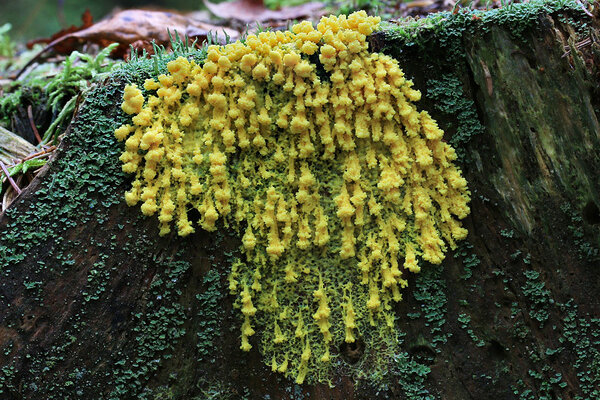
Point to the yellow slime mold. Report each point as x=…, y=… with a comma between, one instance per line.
x=310, y=146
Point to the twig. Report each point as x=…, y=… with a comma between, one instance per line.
x=32, y=123
x=10, y=180
x=578, y=46
x=585, y=10
x=39, y=153
x=38, y=55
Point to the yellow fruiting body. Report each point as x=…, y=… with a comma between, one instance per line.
x=334, y=180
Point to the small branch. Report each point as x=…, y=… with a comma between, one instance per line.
x=585, y=10
x=578, y=46
x=32, y=123
x=69, y=107
x=10, y=180
x=38, y=55
x=39, y=154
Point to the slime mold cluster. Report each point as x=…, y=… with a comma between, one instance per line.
x=311, y=148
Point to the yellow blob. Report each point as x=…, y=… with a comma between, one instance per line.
x=132, y=100
x=336, y=186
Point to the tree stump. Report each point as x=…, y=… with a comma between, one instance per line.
x=93, y=304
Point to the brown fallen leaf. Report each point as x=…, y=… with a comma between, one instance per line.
x=255, y=10
x=138, y=28
x=87, y=21
x=419, y=3
x=129, y=26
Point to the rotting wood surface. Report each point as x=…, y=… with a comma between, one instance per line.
x=93, y=305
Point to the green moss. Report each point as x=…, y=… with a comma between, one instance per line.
x=444, y=28
x=469, y=260
x=581, y=234
x=582, y=335
x=538, y=296
x=449, y=98
x=432, y=303
x=81, y=191
x=579, y=338
x=412, y=376
x=7, y=47
x=10, y=102
x=7, y=374
x=157, y=330
x=465, y=323
x=210, y=315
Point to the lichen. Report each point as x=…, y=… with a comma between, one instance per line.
x=334, y=180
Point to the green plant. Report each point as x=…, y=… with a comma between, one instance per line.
x=538, y=295
x=26, y=166
x=79, y=69
x=6, y=45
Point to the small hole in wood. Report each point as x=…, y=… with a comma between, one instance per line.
x=352, y=352
x=496, y=349
x=591, y=213
x=193, y=215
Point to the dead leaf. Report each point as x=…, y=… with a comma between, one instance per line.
x=132, y=25
x=141, y=26
x=419, y=3
x=255, y=10
x=87, y=21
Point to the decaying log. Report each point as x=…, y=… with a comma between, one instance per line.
x=93, y=304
